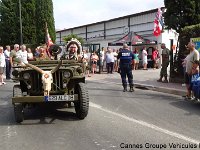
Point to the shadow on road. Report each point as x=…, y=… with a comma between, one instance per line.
x=191, y=107
x=37, y=115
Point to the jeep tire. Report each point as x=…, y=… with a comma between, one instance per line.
x=82, y=105
x=18, y=107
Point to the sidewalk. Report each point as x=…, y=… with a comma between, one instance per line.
x=145, y=79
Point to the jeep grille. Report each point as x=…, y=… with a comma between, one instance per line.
x=36, y=82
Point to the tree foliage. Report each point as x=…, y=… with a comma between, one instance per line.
x=28, y=21
x=181, y=13
x=9, y=22
x=44, y=14
x=35, y=14
x=70, y=36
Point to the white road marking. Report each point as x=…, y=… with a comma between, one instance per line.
x=146, y=124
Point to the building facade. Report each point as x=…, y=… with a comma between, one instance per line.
x=110, y=30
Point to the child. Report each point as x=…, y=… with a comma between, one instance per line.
x=194, y=80
x=195, y=67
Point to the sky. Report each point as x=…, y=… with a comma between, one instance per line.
x=73, y=13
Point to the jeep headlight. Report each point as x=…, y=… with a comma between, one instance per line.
x=26, y=76
x=79, y=70
x=66, y=74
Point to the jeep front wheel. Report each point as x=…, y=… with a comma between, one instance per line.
x=18, y=107
x=82, y=105
x=18, y=110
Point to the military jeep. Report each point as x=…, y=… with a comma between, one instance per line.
x=57, y=82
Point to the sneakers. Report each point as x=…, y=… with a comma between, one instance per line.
x=189, y=98
x=131, y=90
x=124, y=90
x=125, y=87
x=183, y=84
x=165, y=81
x=197, y=100
x=159, y=80
x=2, y=83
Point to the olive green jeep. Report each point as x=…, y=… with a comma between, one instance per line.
x=58, y=82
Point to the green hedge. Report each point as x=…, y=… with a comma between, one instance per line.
x=185, y=35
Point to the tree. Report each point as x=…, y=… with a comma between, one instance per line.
x=44, y=14
x=9, y=24
x=28, y=21
x=181, y=13
x=70, y=36
x=35, y=14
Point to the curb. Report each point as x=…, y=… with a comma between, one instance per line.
x=161, y=89
x=151, y=87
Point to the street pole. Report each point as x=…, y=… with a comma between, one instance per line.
x=20, y=21
x=171, y=60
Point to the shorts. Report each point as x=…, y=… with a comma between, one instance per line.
x=136, y=61
x=94, y=62
x=1, y=70
x=144, y=61
x=187, y=78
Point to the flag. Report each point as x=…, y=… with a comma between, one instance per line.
x=48, y=38
x=48, y=41
x=158, y=23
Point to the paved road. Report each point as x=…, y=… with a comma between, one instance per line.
x=143, y=119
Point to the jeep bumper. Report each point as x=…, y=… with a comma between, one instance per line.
x=39, y=99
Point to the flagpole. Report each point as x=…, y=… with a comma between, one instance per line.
x=20, y=21
x=131, y=40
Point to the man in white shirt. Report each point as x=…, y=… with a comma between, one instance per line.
x=144, y=58
x=8, y=65
x=192, y=56
x=109, y=60
x=15, y=56
x=23, y=54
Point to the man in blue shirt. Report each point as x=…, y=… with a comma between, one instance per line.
x=126, y=57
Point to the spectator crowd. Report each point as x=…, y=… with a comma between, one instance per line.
x=105, y=59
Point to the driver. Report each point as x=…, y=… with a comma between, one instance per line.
x=74, y=50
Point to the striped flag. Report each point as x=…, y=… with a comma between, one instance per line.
x=48, y=38
x=158, y=23
x=48, y=41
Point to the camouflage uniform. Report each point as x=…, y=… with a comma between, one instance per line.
x=165, y=63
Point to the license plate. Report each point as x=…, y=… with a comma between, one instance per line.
x=59, y=98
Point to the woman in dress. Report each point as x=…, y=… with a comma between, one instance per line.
x=94, y=59
x=136, y=59
x=2, y=65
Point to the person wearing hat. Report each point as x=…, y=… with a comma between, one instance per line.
x=126, y=57
x=74, y=49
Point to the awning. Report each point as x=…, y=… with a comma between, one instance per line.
x=131, y=39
